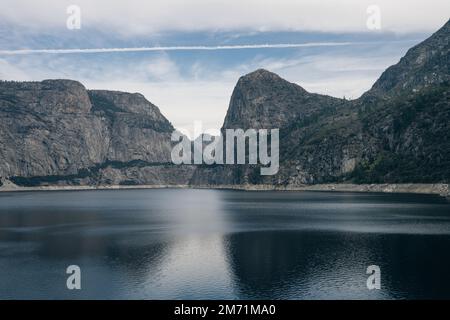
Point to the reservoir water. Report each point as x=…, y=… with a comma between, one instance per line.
x=220, y=244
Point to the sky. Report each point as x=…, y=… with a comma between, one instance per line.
x=186, y=56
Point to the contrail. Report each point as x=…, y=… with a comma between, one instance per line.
x=178, y=48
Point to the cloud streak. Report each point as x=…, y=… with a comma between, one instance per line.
x=179, y=48
x=190, y=48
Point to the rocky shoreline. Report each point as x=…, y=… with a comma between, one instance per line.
x=413, y=188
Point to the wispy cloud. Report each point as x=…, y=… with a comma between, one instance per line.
x=181, y=48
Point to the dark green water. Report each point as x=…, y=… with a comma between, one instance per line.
x=209, y=244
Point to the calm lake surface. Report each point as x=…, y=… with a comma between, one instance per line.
x=217, y=244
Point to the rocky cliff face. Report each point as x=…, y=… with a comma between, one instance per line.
x=138, y=130
x=57, y=132
x=48, y=128
x=424, y=66
x=262, y=100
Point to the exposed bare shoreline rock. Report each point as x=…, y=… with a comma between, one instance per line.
x=413, y=188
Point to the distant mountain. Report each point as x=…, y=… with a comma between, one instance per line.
x=57, y=132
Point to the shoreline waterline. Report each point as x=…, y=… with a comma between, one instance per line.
x=412, y=188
